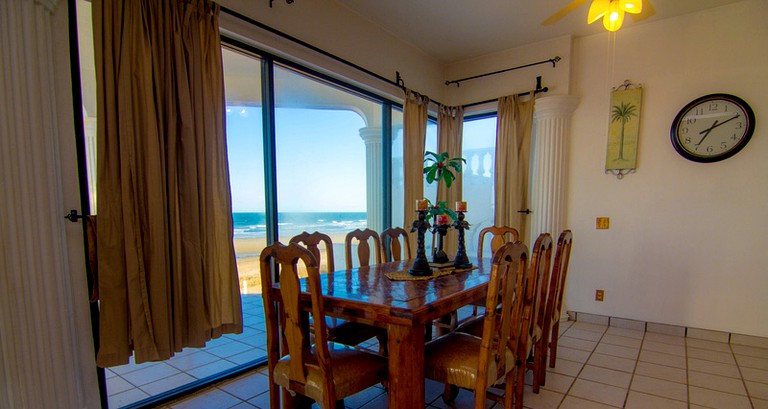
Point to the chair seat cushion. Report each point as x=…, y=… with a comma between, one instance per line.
x=455, y=359
x=353, y=371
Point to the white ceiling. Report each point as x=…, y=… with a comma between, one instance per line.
x=454, y=30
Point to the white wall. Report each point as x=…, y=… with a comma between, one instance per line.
x=686, y=244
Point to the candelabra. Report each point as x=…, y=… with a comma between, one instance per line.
x=461, y=260
x=438, y=255
x=420, y=265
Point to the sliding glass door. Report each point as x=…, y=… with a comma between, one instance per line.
x=329, y=159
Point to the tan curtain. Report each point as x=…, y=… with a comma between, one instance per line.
x=414, y=135
x=513, y=151
x=450, y=129
x=168, y=277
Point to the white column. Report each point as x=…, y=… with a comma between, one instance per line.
x=552, y=119
x=46, y=355
x=371, y=135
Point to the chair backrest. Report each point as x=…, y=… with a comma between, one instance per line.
x=509, y=273
x=391, y=246
x=500, y=235
x=363, y=248
x=292, y=320
x=536, y=291
x=312, y=242
x=557, y=281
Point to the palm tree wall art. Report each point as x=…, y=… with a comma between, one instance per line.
x=623, y=130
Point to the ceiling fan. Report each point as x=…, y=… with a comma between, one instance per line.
x=612, y=12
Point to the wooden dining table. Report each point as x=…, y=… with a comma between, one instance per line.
x=406, y=309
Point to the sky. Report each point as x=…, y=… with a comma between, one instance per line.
x=320, y=160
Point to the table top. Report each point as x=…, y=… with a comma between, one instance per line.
x=367, y=295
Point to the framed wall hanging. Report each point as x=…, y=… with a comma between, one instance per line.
x=623, y=129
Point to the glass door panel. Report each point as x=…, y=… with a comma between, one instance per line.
x=329, y=164
x=479, y=149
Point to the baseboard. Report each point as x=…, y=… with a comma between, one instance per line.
x=698, y=333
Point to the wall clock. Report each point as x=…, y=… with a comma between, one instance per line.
x=712, y=128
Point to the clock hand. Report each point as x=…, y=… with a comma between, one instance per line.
x=706, y=132
x=714, y=125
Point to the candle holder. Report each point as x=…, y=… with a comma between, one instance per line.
x=439, y=258
x=420, y=265
x=461, y=260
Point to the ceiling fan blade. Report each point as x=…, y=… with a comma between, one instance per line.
x=573, y=5
x=648, y=11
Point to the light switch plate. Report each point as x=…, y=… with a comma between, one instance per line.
x=600, y=295
x=602, y=223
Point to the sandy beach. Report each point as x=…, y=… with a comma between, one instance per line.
x=248, y=250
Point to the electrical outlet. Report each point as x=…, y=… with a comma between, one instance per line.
x=602, y=223
x=600, y=295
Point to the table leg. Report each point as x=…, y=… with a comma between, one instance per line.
x=406, y=366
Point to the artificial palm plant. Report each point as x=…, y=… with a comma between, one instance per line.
x=437, y=168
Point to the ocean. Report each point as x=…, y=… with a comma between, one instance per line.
x=254, y=225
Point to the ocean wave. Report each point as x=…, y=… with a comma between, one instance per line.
x=252, y=225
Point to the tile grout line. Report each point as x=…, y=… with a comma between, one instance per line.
x=741, y=374
x=637, y=360
x=687, y=369
x=567, y=393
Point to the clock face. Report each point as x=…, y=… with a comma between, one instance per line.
x=712, y=128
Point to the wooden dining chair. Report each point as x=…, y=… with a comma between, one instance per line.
x=392, y=248
x=551, y=323
x=339, y=331
x=326, y=372
x=499, y=236
x=535, y=302
x=462, y=360
x=535, y=298
x=363, y=248
x=313, y=241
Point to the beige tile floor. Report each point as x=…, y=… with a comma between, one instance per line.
x=598, y=367
x=131, y=383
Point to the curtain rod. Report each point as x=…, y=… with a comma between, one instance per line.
x=307, y=45
x=400, y=83
x=539, y=89
x=459, y=81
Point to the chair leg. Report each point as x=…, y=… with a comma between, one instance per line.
x=428, y=332
x=509, y=389
x=539, y=363
x=450, y=393
x=553, y=344
x=274, y=396
x=520, y=386
x=288, y=401
x=543, y=364
x=382, y=344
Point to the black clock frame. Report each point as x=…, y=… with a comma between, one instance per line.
x=750, y=128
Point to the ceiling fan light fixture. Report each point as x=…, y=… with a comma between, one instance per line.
x=614, y=18
x=597, y=9
x=631, y=6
